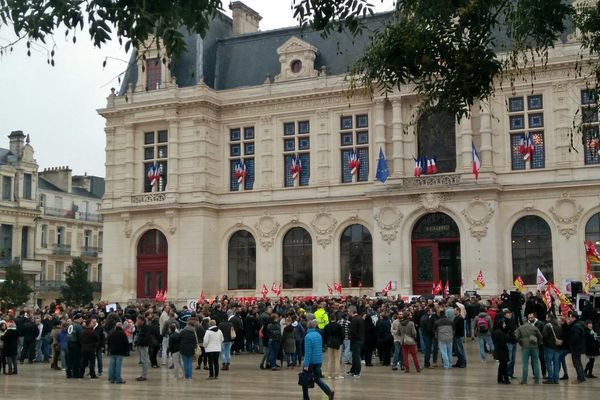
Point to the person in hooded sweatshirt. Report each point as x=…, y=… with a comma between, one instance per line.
x=408, y=337
x=10, y=340
x=213, y=340
x=89, y=344
x=501, y=352
x=188, y=340
x=444, y=335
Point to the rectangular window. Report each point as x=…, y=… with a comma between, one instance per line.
x=87, y=239
x=590, y=133
x=60, y=235
x=296, y=153
x=526, y=124
x=43, y=271
x=156, y=155
x=6, y=188
x=354, y=142
x=6, y=242
x=59, y=271
x=153, y=72
x=99, y=273
x=241, y=158
x=27, y=189
x=44, y=238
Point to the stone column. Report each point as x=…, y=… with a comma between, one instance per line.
x=173, y=166
x=130, y=186
x=266, y=150
x=397, y=138
x=379, y=133
x=485, y=131
x=324, y=152
x=466, y=136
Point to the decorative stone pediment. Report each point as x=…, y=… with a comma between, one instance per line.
x=388, y=219
x=566, y=212
x=478, y=213
x=267, y=228
x=297, y=59
x=432, y=201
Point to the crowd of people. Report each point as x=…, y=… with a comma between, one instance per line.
x=351, y=332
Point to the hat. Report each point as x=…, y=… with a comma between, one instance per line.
x=506, y=311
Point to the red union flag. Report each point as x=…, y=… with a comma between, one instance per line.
x=387, y=287
x=540, y=280
x=329, y=289
x=479, y=281
x=264, y=290
x=337, y=286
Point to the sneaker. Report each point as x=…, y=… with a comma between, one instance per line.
x=141, y=379
x=339, y=377
x=121, y=382
x=356, y=376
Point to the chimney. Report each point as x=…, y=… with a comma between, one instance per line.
x=245, y=19
x=59, y=177
x=17, y=140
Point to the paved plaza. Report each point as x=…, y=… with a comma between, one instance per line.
x=246, y=381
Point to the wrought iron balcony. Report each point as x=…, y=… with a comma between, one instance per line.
x=62, y=250
x=72, y=214
x=87, y=251
x=55, y=286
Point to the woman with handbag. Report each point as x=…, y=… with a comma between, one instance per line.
x=188, y=345
x=551, y=339
x=213, y=340
x=408, y=338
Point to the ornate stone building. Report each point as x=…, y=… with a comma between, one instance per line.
x=222, y=209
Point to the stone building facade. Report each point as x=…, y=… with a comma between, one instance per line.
x=258, y=101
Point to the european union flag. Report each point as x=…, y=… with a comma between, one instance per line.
x=382, y=169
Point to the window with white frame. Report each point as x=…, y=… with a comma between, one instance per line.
x=296, y=153
x=590, y=133
x=526, y=129
x=241, y=158
x=156, y=154
x=354, y=145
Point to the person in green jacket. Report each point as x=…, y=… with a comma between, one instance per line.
x=529, y=337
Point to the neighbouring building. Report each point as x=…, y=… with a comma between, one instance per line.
x=245, y=163
x=47, y=218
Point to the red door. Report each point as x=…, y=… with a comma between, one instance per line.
x=152, y=264
x=425, y=269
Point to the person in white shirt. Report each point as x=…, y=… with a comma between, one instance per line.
x=213, y=339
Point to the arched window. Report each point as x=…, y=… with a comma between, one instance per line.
x=242, y=261
x=356, y=256
x=152, y=243
x=592, y=232
x=152, y=263
x=437, y=139
x=297, y=259
x=531, y=249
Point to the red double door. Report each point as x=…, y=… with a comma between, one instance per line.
x=435, y=260
x=151, y=275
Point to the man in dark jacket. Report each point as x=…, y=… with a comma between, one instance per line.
x=577, y=342
x=226, y=327
x=89, y=346
x=29, y=332
x=274, y=335
x=118, y=347
x=74, y=332
x=427, y=324
x=101, y=343
x=143, y=342
x=457, y=343
x=385, y=340
x=357, y=340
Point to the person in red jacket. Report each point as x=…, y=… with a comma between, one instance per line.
x=89, y=344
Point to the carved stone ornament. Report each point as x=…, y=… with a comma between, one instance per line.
x=324, y=225
x=170, y=214
x=432, y=201
x=267, y=228
x=478, y=213
x=566, y=212
x=388, y=219
x=127, y=221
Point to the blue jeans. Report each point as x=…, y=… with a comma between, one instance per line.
x=397, y=357
x=187, y=366
x=552, y=357
x=315, y=369
x=273, y=352
x=532, y=353
x=299, y=350
x=225, y=353
x=114, y=368
x=483, y=340
x=290, y=358
x=512, y=356
x=430, y=350
x=457, y=344
x=563, y=361
x=346, y=354
x=99, y=361
x=446, y=353
x=421, y=342
x=39, y=355
x=145, y=360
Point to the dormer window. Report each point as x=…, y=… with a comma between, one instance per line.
x=296, y=66
x=297, y=60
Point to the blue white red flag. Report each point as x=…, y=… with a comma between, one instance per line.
x=476, y=161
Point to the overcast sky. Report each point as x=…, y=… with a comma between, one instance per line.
x=57, y=105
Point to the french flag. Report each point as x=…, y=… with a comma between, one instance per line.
x=476, y=161
x=418, y=170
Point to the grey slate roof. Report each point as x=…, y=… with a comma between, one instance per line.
x=4, y=153
x=46, y=185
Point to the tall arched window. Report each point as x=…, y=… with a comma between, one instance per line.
x=242, y=261
x=531, y=249
x=436, y=132
x=297, y=259
x=592, y=232
x=356, y=256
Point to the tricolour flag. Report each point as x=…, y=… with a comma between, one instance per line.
x=264, y=291
x=350, y=280
x=353, y=163
x=153, y=174
x=480, y=281
x=526, y=147
x=418, y=170
x=434, y=168
x=240, y=172
x=540, y=280
x=476, y=161
x=519, y=284
x=295, y=167
x=382, y=169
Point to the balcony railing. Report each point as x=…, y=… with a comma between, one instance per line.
x=87, y=251
x=4, y=262
x=62, y=250
x=55, y=286
x=80, y=215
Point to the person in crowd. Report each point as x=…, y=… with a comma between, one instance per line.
x=333, y=335
x=459, y=334
x=501, y=352
x=408, y=337
x=188, y=343
x=370, y=337
x=55, y=346
x=74, y=332
x=551, y=341
x=299, y=325
x=345, y=323
x=251, y=328
x=29, y=331
x=577, y=343
x=313, y=360
x=89, y=346
x=274, y=334
x=444, y=335
x=99, y=330
x=10, y=347
x=397, y=356
x=592, y=348
x=288, y=343
x=174, y=347
x=427, y=324
x=213, y=341
x=529, y=337
x=357, y=340
x=229, y=335
x=483, y=330
x=565, y=348
x=164, y=326
x=143, y=344
x=118, y=347
x=385, y=339
x=155, y=341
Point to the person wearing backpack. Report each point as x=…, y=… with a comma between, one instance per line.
x=483, y=329
x=529, y=337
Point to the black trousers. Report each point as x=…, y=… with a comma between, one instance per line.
x=74, y=361
x=385, y=352
x=589, y=367
x=28, y=350
x=153, y=352
x=356, y=349
x=88, y=360
x=576, y=358
x=213, y=363
x=503, y=371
